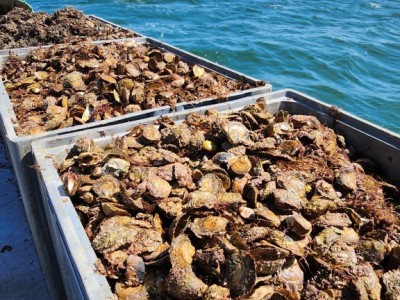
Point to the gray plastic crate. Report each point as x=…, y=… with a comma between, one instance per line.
x=74, y=252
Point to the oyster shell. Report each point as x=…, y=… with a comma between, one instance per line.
x=236, y=133
x=208, y=226
x=298, y=224
x=158, y=187
x=135, y=270
x=212, y=261
x=240, y=273
x=372, y=250
x=114, y=209
x=181, y=252
x=337, y=246
x=292, y=276
x=288, y=199
x=200, y=200
x=367, y=283
x=74, y=80
x=126, y=292
x=120, y=231
x=216, y=292
x=267, y=217
x=71, y=183
x=116, y=166
x=106, y=186
x=269, y=258
x=240, y=165
x=211, y=183
x=391, y=281
x=182, y=281
x=347, y=178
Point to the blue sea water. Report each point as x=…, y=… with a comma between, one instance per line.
x=346, y=53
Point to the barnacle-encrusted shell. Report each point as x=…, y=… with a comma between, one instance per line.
x=158, y=187
x=117, y=166
x=106, y=186
x=126, y=292
x=391, y=281
x=119, y=231
x=182, y=281
x=236, y=133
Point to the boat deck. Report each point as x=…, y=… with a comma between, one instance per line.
x=21, y=276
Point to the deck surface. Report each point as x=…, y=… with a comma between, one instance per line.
x=21, y=276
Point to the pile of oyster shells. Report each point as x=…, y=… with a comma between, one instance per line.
x=242, y=205
x=23, y=28
x=67, y=85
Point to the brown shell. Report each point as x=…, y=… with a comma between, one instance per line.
x=126, y=292
x=171, y=207
x=267, y=217
x=216, y=292
x=211, y=183
x=298, y=224
x=181, y=252
x=293, y=181
x=119, y=231
x=89, y=159
x=229, y=199
x=292, y=276
x=334, y=219
x=106, y=186
x=201, y=199
x=74, y=80
x=288, y=199
x=372, y=250
x=183, y=283
x=151, y=134
x=236, y=133
x=391, y=281
x=158, y=187
x=240, y=165
x=208, y=226
x=71, y=183
x=347, y=178
x=114, y=209
x=240, y=273
x=300, y=121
